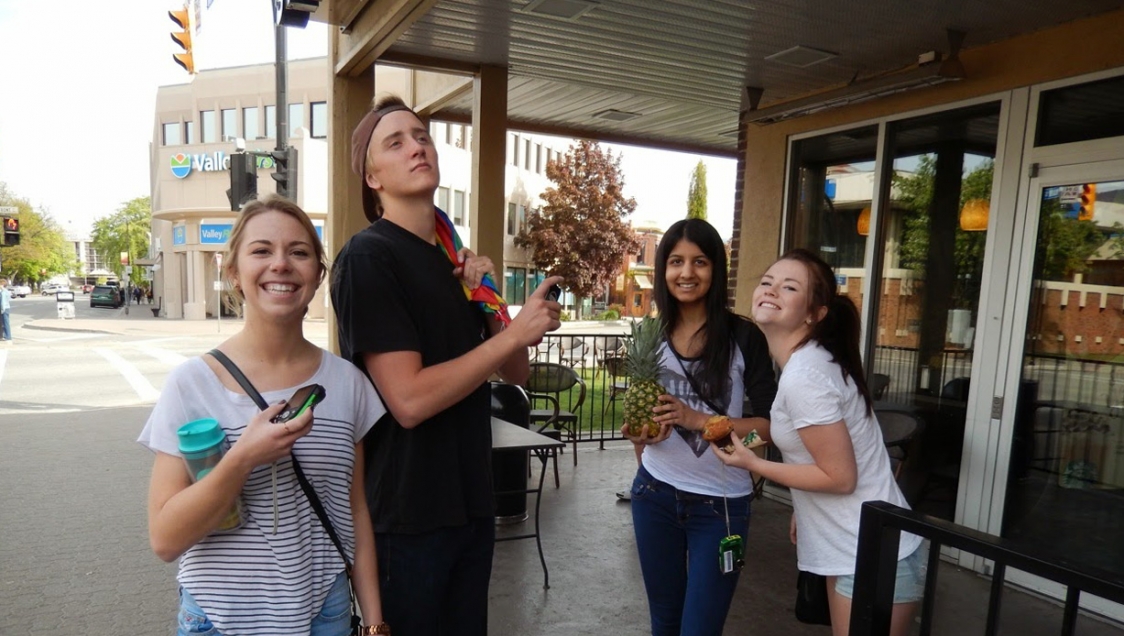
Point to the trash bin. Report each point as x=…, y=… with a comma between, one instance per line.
x=64, y=304
x=509, y=469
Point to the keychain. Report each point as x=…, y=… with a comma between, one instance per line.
x=731, y=549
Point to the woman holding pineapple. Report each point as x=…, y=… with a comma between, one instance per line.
x=695, y=362
x=823, y=424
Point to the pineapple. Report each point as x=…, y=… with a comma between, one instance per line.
x=642, y=365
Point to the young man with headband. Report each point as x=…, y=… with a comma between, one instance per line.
x=420, y=315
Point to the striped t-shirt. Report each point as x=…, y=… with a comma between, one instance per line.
x=250, y=580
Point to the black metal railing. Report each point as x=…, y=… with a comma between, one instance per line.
x=600, y=415
x=880, y=531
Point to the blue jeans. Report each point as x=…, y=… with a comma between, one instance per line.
x=334, y=618
x=7, y=331
x=677, y=535
x=436, y=583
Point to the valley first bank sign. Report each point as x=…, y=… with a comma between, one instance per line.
x=218, y=161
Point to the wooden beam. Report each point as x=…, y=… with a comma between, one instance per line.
x=427, y=108
x=375, y=30
x=429, y=63
x=586, y=133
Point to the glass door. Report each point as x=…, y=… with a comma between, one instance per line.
x=1065, y=475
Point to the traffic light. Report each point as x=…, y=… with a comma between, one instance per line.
x=285, y=172
x=243, y=180
x=11, y=231
x=1088, y=200
x=182, y=18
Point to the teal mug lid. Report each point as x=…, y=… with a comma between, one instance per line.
x=200, y=435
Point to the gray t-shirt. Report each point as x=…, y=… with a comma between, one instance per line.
x=249, y=580
x=811, y=392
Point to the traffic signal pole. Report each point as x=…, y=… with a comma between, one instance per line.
x=281, y=67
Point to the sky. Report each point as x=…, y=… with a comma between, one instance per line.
x=79, y=79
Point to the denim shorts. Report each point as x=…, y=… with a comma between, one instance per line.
x=334, y=618
x=909, y=586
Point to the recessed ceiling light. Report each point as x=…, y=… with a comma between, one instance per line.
x=801, y=56
x=616, y=115
x=564, y=9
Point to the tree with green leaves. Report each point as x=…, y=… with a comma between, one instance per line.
x=696, y=194
x=126, y=230
x=43, y=250
x=915, y=198
x=582, y=232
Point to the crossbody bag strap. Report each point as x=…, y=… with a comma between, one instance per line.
x=759, y=484
x=306, y=486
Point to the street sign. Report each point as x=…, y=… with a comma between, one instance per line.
x=9, y=209
x=1070, y=194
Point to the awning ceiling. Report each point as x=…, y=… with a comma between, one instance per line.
x=681, y=66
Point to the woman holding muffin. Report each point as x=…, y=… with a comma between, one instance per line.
x=685, y=501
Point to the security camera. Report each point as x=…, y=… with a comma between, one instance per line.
x=239, y=144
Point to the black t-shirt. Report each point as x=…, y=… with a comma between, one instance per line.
x=393, y=291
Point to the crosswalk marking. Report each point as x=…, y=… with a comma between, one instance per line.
x=140, y=384
x=170, y=358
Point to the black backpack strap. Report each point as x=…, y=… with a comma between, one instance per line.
x=306, y=486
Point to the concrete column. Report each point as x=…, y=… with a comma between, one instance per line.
x=350, y=100
x=489, y=151
x=196, y=306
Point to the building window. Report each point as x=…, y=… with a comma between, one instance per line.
x=458, y=207
x=229, y=124
x=521, y=217
x=527, y=154
x=250, y=123
x=438, y=130
x=270, y=122
x=319, y=120
x=538, y=158
x=458, y=137
x=296, y=118
x=640, y=254
x=443, y=198
x=515, y=152
x=172, y=134
x=188, y=132
x=511, y=219
x=207, y=125
x=638, y=300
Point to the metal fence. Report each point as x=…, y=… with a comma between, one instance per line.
x=876, y=566
x=597, y=358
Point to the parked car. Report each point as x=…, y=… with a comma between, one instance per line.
x=20, y=291
x=49, y=289
x=106, y=296
x=87, y=288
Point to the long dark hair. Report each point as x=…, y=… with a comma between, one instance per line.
x=714, y=365
x=840, y=329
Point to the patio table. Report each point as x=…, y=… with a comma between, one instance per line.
x=507, y=437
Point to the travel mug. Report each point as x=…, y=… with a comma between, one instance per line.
x=203, y=444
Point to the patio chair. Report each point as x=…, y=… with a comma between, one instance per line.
x=879, y=382
x=574, y=351
x=898, y=430
x=618, y=381
x=547, y=382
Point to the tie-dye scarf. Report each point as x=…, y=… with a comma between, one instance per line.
x=486, y=294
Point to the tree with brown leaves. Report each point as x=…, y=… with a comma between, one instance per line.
x=582, y=232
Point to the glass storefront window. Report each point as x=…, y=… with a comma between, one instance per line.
x=1066, y=478
x=1094, y=110
x=229, y=124
x=834, y=187
x=296, y=118
x=271, y=122
x=924, y=317
x=188, y=132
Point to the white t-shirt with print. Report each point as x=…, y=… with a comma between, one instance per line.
x=684, y=459
x=812, y=392
x=249, y=580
